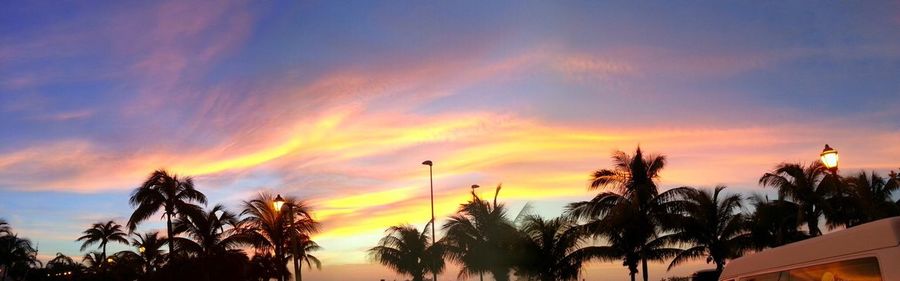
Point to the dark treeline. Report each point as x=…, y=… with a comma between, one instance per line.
x=629, y=221
x=198, y=243
x=633, y=222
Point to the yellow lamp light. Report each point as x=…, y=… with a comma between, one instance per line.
x=278, y=203
x=829, y=158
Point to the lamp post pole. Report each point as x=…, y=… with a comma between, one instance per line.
x=433, y=222
x=294, y=237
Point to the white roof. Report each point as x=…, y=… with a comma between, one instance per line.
x=874, y=235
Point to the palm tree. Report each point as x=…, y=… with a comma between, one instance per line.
x=94, y=262
x=304, y=248
x=275, y=228
x=103, y=233
x=863, y=198
x=211, y=233
x=149, y=246
x=263, y=267
x=481, y=238
x=807, y=186
x=63, y=264
x=162, y=191
x=713, y=226
x=17, y=256
x=774, y=223
x=409, y=252
x=552, y=249
x=632, y=213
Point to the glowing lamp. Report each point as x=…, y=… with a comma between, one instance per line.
x=109, y=260
x=278, y=203
x=829, y=158
x=141, y=249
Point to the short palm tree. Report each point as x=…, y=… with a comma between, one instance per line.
x=211, y=233
x=162, y=191
x=274, y=227
x=774, y=223
x=102, y=233
x=481, y=238
x=409, y=252
x=863, y=198
x=305, y=247
x=631, y=214
x=17, y=256
x=264, y=267
x=805, y=185
x=94, y=262
x=553, y=249
x=149, y=246
x=712, y=226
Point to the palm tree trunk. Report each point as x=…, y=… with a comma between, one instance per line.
x=169, y=232
x=632, y=275
x=720, y=265
x=481, y=274
x=644, y=269
x=105, y=259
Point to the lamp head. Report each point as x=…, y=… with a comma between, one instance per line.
x=427, y=163
x=278, y=203
x=829, y=158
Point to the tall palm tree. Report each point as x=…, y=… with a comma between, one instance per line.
x=275, y=228
x=631, y=213
x=553, y=250
x=807, y=186
x=163, y=191
x=409, y=252
x=481, y=238
x=149, y=246
x=863, y=198
x=713, y=226
x=774, y=223
x=103, y=233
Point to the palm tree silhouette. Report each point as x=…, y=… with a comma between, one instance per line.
x=167, y=192
x=633, y=214
x=552, y=249
x=409, y=252
x=805, y=186
x=4, y=227
x=16, y=256
x=273, y=226
x=212, y=237
x=774, y=223
x=103, y=233
x=712, y=225
x=304, y=248
x=94, y=262
x=863, y=198
x=481, y=238
x=149, y=246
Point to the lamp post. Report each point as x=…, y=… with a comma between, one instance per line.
x=829, y=158
x=474, y=186
x=278, y=204
x=433, y=222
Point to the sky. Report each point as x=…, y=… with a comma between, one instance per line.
x=338, y=103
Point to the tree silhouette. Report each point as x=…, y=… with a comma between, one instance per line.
x=481, y=238
x=552, y=249
x=806, y=186
x=274, y=228
x=103, y=233
x=409, y=252
x=16, y=256
x=712, y=226
x=863, y=198
x=631, y=214
x=152, y=254
x=162, y=191
x=774, y=223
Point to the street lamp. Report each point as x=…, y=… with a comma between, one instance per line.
x=278, y=203
x=829, y=158
x=433, y=222
x=141, y=249
x=474, y=186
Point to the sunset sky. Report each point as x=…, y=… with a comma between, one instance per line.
x=339, y=102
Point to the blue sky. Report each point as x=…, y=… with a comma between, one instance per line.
x=338, y=102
